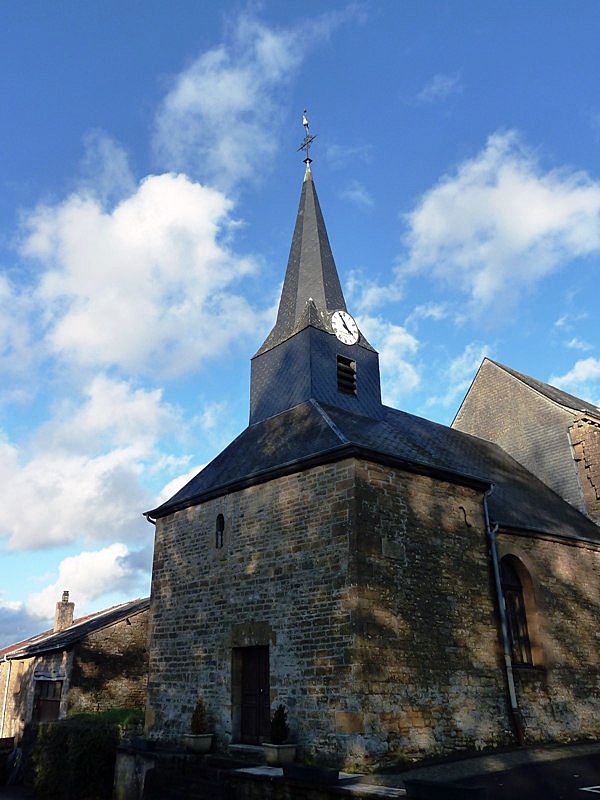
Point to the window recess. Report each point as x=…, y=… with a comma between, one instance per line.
x=346, y=375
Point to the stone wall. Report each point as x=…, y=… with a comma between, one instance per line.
x=20, y=675
x=279, y=580
x=110, y=667
x=14, y=700
x=585, y=438
x=560, y=696
x=427, y=667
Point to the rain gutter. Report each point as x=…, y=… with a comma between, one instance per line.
x=515, y=712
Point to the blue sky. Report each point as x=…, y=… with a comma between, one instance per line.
x=150, y=180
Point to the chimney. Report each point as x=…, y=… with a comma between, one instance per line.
x=64, y=613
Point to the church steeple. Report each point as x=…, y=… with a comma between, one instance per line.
x=315, y=350
x=311, y=273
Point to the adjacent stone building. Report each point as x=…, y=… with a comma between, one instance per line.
x=555, y=435
x=403, y=588
x=92, y=663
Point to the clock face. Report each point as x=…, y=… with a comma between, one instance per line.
x=344, y=327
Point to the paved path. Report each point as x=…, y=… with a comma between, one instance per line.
x=533, y=773
x=564, y=779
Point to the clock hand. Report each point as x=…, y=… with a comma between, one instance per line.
x=345, y=325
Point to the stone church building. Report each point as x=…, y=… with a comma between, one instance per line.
x=404, y=588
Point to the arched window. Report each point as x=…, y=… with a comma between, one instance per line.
x=516, y=612
x=220, y=528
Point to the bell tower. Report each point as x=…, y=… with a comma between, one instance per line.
x=315, y=350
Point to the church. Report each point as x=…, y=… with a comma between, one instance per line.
x=403, y=588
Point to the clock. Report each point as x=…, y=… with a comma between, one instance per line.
x=344, y=327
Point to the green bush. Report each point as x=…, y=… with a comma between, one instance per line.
x=74, y=759
x=279, y=726
x=199, y=723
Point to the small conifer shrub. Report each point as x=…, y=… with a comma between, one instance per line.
x=279, y=727
x=199, y=718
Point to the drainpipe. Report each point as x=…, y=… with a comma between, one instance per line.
x=510, y=678
x=5, y=698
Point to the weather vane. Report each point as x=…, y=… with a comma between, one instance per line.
x=308, y=140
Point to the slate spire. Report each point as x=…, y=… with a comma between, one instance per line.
x=315, y=352
x=311, y=272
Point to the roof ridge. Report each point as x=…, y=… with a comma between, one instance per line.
x=330, y=422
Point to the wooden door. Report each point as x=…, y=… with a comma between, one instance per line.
x=47, y=700
x=255, y=705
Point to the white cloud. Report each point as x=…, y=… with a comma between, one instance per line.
x=342, y=155
x=569, y=321
x=105, y=167
x=17, y=348
x=82, y=477
x=18, y=623
x=358, y=194
x=221, y=116
x=440, y=87
x=434, y=311
x=147, y=286
x=176, y=484
x=367, y=295
x=87, y=576
x=500, y=223
x=583, y=380
x=396, y=346
x=93, y=579
x=459, y=374
x=141, y=417
x=579, y=344
x=213, y=415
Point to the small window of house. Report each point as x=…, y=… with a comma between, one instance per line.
x=220, y=529
x=516, y=614
x=346, y=375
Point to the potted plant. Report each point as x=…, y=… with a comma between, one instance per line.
x=277, y=750
x=199, y=740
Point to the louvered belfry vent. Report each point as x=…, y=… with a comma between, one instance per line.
x=346, y=375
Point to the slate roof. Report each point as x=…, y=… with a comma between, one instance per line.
x=312, y=433
x=311, y=274
x=50, y=640
x=551, y=392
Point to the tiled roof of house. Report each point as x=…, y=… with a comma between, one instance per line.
x=50, y=640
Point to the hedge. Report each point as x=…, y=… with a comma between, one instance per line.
x=74, y=759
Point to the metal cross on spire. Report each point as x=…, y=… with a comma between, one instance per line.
x=308, y=140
